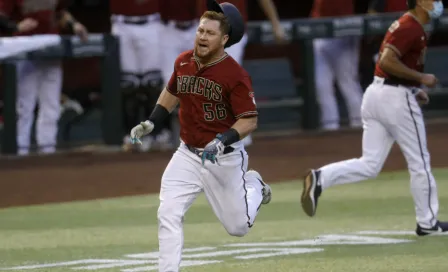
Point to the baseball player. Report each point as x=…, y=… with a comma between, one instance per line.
x=216, y=112
x=137, y=25
x=391, y=112
x=39, y=81
x=236, y=51
x=336, y=59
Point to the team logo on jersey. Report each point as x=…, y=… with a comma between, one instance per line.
x=394, y=26
x=252, y=95
x=199, y=86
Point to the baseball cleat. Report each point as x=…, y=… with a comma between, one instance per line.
x=311, y=192
x=438, y=228
x=266, y=191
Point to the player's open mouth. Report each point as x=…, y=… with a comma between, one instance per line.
x=202, y=45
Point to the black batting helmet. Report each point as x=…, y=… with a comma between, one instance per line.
x=234, y=17
x=411, y=3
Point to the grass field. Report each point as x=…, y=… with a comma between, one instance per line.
x=121, y=234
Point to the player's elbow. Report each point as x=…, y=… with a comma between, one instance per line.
x=383, y=63
x=252, y=123
x=387, y=64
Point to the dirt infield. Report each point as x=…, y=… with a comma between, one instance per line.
x=84, y=176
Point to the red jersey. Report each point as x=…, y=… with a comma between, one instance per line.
x=211, y=99
x=331, y=8
x=185, y=10
x=134, y=7
x=43, y=11
x=408, y=39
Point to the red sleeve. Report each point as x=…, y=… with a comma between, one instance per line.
x=6, y=7
x=242, y=99
x=401, y=38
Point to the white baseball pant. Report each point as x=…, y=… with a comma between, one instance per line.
x=234, y=195
x=173, y=42
x=38, y=82
x=140, y=62
x=391, y=114
x=337, y=59
x=139, y=45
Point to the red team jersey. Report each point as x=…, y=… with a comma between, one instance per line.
x=408, y=39
x=211, y=99
x=43, y=11
x=134, y=7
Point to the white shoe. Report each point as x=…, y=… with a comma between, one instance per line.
x=266, y=191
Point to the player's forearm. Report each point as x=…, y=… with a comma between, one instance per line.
x=245, y=126
x=165, y=105
x=167, y=100
x=395, y=67
x=66, y=20
x=270, y=11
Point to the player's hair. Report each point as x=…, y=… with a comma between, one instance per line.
x=221, y=18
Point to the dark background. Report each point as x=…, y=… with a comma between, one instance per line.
x=82, y=76
x=95, y=15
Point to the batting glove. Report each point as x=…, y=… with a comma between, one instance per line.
x=141, y=130
x=212, y=151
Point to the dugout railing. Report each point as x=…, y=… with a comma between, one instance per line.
x=301, y=31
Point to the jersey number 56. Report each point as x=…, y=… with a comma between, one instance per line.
x=214, y=111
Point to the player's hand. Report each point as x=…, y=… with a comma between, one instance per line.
x=141, y=130
x=212, y=151
x=429, y=80
x=279, y=34
x=80, y=30
x=26, y=25
x=422, y=97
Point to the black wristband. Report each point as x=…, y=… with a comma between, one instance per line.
x=8, y=25
x=158, y=115
x=229, y=137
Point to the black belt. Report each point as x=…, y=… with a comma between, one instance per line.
x=139, y=21
x=227, y=150
x=392, y=82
